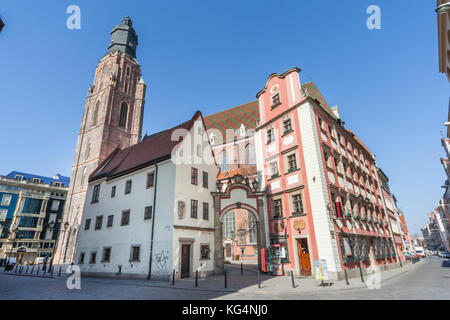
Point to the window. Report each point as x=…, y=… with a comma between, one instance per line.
x=36, y=180
x=81, y=258
x=252, y=227
x=3, y=213
x=204, y=251
x=135, y=253
x=98, y=222
x=199, y=150
x=96, y=193
x=229, y=225
x=148, y=213
x=250, y=158
x=270, y=135
x=93, y=257
x=224, y=164
x=194, y=174
x=150, y=179
x=205, y=211
x=287, y=126
x=274, y=169
x=205, y=179
x=110, y=221
x=241, y=236
x=106, y=255
x=18, y=177
x=55, y=205
x=297, y=203
x=292, y=163
x=125, y=218
x=277, y=208
x=128, y=187
x=276, y=100
x=6, y=200
x=87, y=224
x=94, y=118
x=123, y=115
x=113, y=191
x=194, y=205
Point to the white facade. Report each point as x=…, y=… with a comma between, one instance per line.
x=173, y=224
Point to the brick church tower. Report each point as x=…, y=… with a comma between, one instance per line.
x=112, y=118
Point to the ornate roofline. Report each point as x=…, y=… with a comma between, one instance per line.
x=282, y=76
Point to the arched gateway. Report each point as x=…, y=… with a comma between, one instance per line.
x=237, y=193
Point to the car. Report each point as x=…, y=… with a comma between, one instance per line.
x=446, y=255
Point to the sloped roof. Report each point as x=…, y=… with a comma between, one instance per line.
x=315, y=94
x=47, y=180
x=152, y=149
x=247, y=114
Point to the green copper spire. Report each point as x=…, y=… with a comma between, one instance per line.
x=124, y=38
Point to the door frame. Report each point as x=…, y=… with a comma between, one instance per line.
x=296, y=257
x=190, y=242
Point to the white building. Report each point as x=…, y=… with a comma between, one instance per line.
x=152, y=202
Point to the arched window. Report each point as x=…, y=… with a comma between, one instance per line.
x=250, y=158
x=224, y=164
x=94, y=117
x=123, y=115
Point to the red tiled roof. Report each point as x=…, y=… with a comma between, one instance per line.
x=154, y=148
x=247, y=114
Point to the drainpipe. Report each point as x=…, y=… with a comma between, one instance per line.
x=153, y=224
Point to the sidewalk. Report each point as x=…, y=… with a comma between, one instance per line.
x=243, y=283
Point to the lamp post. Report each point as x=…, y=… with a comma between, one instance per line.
x=66, y=226
x=51, y=227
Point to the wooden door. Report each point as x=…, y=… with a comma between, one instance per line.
x=228, y=250
x=185, y=260
x=303, y=257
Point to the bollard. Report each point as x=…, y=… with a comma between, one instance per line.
x=52, y=270
x=346, y=277
x=26, y=271
x=361, y=272
x=259, y=281
x=292, y=278
x=196, y=278
x=15, y=270
x=226, y=280
x=59, y=274
x=242, y=269
x=20, y=269
x=37, y=272
x=32, y=269
x=173, y=277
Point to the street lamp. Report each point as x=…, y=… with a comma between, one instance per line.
x=51, y=227
x=66, y=226
x=443, y=8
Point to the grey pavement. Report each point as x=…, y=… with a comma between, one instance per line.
x=428, y=279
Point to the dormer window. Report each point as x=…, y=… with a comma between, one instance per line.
x=212, y=138
x=18, y=177
x=36, y=180
x=276, y=101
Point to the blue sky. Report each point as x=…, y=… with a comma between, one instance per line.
x=212, y=55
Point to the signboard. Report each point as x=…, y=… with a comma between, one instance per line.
x=338, y=207
x=321, y=269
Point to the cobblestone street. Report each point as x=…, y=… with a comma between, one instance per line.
x=428, y=279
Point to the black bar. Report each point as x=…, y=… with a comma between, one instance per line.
x=52, y=267
x=37, y=272
x=26, y=271
x=242, y=269
x=259, y=281
x=32, y=269
x=292, y=278
x=196, y=278
x=20, y=269
x=346, y=277
x=15, y=271
x=361, y=272
x=226, y=279
x=59, y=275
x=173, y=277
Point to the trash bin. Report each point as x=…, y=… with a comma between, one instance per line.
x=278, y=270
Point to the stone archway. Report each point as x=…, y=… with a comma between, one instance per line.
x=237, y=194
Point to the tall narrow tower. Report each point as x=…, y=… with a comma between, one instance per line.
x=112, y=118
